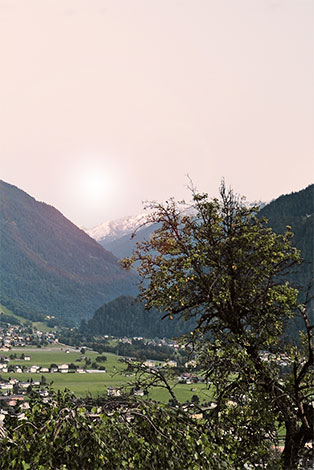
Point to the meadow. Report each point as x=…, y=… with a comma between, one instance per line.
x=96, y=383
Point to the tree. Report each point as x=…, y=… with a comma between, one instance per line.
x=218, y=262
x=66, y=433
x=195, y=399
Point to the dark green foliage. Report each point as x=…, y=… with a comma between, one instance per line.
x=9, y=319
x=296, y=210
x=50, y=266
x=101, y=358
x=118, y=434
x=125, y=316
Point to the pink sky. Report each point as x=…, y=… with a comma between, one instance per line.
x=106, y=103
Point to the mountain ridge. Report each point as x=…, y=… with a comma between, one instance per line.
x=49, y=264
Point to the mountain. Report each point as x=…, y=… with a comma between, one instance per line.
x=114, y=229
x=117, y=235
x=48, y=266
x=296, y=210
x=125, y=316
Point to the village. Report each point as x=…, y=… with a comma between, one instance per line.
x=20, y=344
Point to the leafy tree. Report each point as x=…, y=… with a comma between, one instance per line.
x=101, y=358
x=219, y=263
x=195, y=399
x=65, y=433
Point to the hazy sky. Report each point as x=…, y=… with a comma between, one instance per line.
x=106, y=103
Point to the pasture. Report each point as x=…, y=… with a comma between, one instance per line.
x=96, y=383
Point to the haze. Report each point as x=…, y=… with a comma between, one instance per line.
x=105, y=103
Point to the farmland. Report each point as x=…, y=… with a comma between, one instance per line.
x=94, y=383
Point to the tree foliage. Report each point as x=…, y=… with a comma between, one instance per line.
x=219, y=263
x=70, y=434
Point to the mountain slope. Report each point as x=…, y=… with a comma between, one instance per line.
x=125, y=316
x=50, y=266
x=297, y=211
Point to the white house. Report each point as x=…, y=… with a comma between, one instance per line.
x=6, y=386
x=64, y=368
x=24, y=385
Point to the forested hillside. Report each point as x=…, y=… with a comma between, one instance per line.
x=296, y=210
x=125, y=316
x=48, y=266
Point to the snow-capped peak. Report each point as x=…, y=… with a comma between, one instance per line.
x=113, y=229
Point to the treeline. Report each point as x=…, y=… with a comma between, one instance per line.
x=125, y=316
x=139, y=349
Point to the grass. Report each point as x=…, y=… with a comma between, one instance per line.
x=92, y=383
x=38, y=325
x=56, y=355
x=6, y=311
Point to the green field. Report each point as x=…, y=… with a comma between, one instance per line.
x=41, y=326
x=92, y=383
x=55, y=354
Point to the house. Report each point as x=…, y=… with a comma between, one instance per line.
x=149, y=363
x=139, y=393
x=34, y=369
x=80, y=371
x=27, y=358
x=13, y=381
x=64, y=368
x=6, y=386
x=24, y=385
x=44, y=370
x=170, y=364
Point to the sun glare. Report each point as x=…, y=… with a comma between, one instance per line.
x=95, y=185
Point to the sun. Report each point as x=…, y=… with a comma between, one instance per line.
x=95, y=185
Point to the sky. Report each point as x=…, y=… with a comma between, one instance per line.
x=105, y=104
